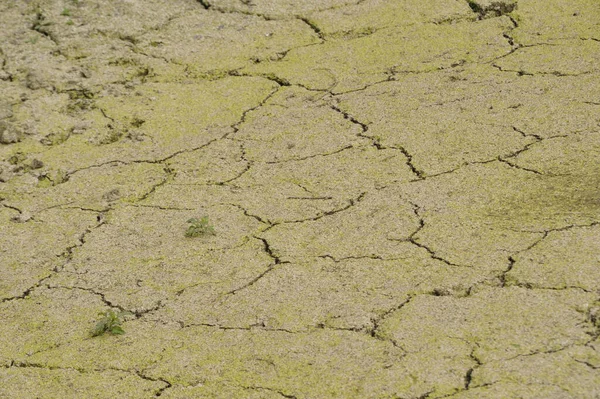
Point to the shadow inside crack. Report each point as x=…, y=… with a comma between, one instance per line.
x=493, y=9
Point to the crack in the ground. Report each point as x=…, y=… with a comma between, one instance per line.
x=14, y=208
x=409, y=162
x=593, y=318
x=236, y=126
x=313, y=26
x=338, y=260
x=260, y=326
x=249, y=164
x=394, y=70
x=40, y=25
x=509, y=38
x=369, y=331
x=375, y=141
x=511, y=264
x=377, y=322
x=4, y=72
x=470, y=371
x=351, y=202
x=421, y=175
x=137, y=313
x=588, y=364
x=363, y=126
x=207, y=5
x=514, y=165
x=537, y=139
x=515, y=47
x=521, y=72
x=251, y=215
x=564, y=228
x=160, y=391
x=277, y=391
x=531, y=286
x=538, y=352
x=276, y=262
x=390, y=78
x=162, y=208
x=413, y=240
x=100, y=165
x=278, y=79
x=169, y=174
x=254, y=280
x=347, y=147
x=24, y=364
x=269, y=76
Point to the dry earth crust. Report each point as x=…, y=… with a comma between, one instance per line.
x=405, y=197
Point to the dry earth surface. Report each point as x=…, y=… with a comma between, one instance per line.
x=405, y=196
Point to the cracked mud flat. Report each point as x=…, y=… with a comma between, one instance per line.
x=406, y=198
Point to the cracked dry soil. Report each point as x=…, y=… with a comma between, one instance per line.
x=405, y=194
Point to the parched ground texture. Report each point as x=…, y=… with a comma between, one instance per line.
x=405, y=196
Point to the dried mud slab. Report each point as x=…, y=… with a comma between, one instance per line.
x=69, y=383
x=158, y=121
x=576, y=154
x=452, y=118
x=294, y=125
x=507, y=215
x=140, y=256
x=563, y=259
x=215, y=164
x=534, y=376
x=543, y=22
x=506, y=322
x=366, y=17
x=33, y=248
x=341, y=66
x=295, y=190
x=93, y=189
x=46, y=319
x=210, y=44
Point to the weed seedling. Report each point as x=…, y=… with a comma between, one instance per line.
x=110, y=322
x=199, y=227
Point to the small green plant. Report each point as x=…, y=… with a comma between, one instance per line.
x=110, y=322
x=199, y=227
x=66, y=12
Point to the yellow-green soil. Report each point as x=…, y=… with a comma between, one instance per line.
x=405, y=197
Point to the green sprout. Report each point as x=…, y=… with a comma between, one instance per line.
x=110, y=322
x=199, y=227
x=66, y=12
